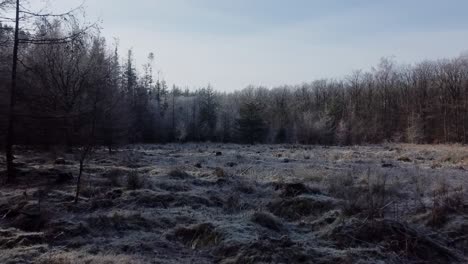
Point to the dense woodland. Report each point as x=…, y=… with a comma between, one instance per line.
x=84, y=91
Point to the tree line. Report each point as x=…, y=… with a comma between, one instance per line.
x=79, y=91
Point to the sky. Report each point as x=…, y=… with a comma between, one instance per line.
x=231, y=44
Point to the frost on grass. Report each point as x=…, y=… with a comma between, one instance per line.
x=198, y=236
x=267, y=220
x=188, y=204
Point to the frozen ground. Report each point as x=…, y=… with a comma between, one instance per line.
x=213, y=203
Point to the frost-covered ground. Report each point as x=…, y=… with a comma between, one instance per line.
x=213, y=203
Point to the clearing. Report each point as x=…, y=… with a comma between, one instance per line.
x=216, y=203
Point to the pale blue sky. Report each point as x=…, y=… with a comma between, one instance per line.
x=234, y=43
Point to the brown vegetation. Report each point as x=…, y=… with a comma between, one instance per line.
x=341, y=206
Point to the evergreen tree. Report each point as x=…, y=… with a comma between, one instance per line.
x=251, y=126
x=130, y=77
x=208, y=112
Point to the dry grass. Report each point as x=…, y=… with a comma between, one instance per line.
x=325, y=205
x=198, y=236
x=81, y=257
x=267, y=220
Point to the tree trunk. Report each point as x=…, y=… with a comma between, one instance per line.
x=78, y=184
x=11, y=107
x=173, y=117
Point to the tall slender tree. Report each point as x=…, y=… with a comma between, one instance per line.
x=11, y=105
x=18, y=19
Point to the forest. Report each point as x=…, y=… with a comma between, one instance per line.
x=103, y=161
x=81, y=86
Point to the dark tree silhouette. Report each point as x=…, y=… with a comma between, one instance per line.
x=251, y=126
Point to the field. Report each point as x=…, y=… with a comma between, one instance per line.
x=214, y=203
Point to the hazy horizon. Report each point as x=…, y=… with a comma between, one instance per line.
x=231, y=45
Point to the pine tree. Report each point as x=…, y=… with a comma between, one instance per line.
x=208, y=112
x=251, y=126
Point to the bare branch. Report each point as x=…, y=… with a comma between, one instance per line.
x=63, y=40
x=69, y=13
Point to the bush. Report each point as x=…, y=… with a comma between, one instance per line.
x=115, y=176
x=134, y=180
x=369, y=196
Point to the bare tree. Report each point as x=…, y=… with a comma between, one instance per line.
x=11, y=106
x=23, y=15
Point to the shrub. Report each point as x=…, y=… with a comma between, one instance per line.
x=115, y=176
x=134, y=180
